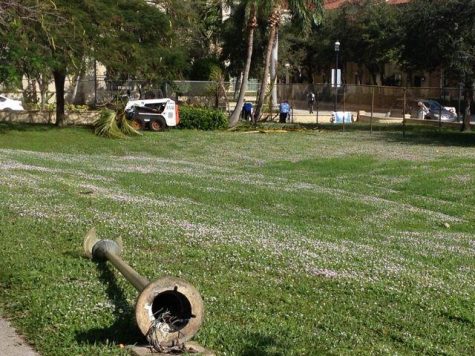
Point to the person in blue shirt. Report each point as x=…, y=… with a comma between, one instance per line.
x=284, y=109
x=247, y=108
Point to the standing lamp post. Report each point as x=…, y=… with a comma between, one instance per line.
x=337, y=50
x=287, y=79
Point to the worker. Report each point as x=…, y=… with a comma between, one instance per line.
x=247, y=108
x=284, y=109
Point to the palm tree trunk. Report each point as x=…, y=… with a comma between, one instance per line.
x=273, y=72
x=273, y=23
x=233, y=120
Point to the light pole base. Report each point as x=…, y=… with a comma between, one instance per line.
x=190, y=347
x=169, y=312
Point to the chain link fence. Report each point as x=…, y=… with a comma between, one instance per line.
x=376, y=101
x=379, y=103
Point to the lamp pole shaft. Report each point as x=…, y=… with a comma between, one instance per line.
x=138, y=281
x=336, y=82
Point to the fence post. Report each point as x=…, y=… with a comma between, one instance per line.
x=404, y=114
x=459, y=101
x=440, y=110
x=343, y=127
x=372, y=111
x=316, y=99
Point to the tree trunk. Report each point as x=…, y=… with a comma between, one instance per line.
x=59, y=79
x=382, y=73
x=273, y=72
x=233, y=120
x=360, y=75
x=237, y=86
x=468, y=96
x=43, y=82
x=270, y=45
x=374, y=78
x=74, y=94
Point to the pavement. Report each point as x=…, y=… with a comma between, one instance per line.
x=11, y=344
x=302, y=116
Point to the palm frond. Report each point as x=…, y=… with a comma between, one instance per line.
x=106, y=125
x=114, y=124
x=125, y=125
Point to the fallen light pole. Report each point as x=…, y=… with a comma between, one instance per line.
x=169, y=311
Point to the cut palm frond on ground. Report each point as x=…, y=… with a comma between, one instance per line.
x=114, y=124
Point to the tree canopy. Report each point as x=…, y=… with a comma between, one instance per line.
x=130, y=37
x=162, y=40
x=439, y=34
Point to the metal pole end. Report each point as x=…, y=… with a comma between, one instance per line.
x=95, y=248
x=169, y=312
x=89, y=241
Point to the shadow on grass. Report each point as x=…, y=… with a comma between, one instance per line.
x=123, y=330
x=420, y=135
x=415, y=135
x=443, y=138
x=259, y=344
x=266, y=345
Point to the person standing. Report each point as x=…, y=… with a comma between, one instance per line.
x=284, y=109
x=311, y=101
x=422, y=110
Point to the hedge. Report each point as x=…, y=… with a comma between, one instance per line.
x=202, y=118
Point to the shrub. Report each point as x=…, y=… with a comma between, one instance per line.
x=202, y=118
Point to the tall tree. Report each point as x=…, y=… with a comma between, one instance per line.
x=304, y=12
x=16, y=52
x=128, y=36
x=196, y=25
x=251, y=15
x=372, y=36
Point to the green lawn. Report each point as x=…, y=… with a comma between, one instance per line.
x=304, y=243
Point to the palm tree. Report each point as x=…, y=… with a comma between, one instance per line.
x=306, y=12
x=251, y=11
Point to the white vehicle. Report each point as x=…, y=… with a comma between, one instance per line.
x=7, y=104
x=155, y=114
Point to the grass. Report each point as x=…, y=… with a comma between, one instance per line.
x=304, y=242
